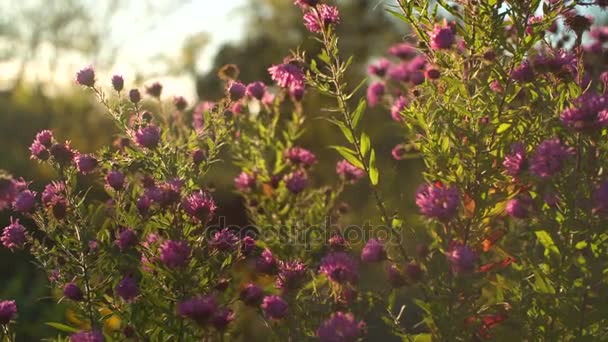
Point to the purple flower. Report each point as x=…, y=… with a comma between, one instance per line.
x=341, y=327
x=340, y=268
x=397, y=107
x=520, y=206
x=398, y=73
x=496, y=87
x=297, y=93
x=38, y=151
x=438, y=201
x=304, y=4
x=296, y=181
x=266, y=263
x=291, y=274
x=600, y=198
x=523, y=73
x=245, y=181
x=8, y=311
x=8, y=190
x=127, y=288
x=167, y=193
x=348, y=171
x=87, y=336
x=134, y=96
x=200, y=206
x=198, y=309
x=588, y=111
x=148, y=136
x=155, y=89
x=116, y=180
x=236, y=90
x=548, y=158
x=143, y=205
x=275, y=307
x=127, y=238
x=432, y=73
x=221, y=318
x=224, y=241
x=321, y=17
x=174, y=253
x=256, y=90
x=198, y=156
x=73, y=292
x=416, y=78
x=287, y=75
x=93, y=246
x=248, y=245
x=374, y=93
x=300, y=156
x=86, y=77
x=414, y=271
x=14, y=235
x=59, y=208
x=373, y=251
x=515, y=162
x=25, y=201
x=311, y=21
x=600, y=33
x=85, y=163
x=395, y=276
x=402, y=50
x=442, y=36
x=379, y=68
x=559, y=62
x=62, y=153
x=118, y=83
x=462, y=258
x=45, y=138
x=251, y=294
x=52, y=191
x=337, y=243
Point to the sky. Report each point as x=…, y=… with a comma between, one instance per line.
x=221, y=19
x=141, y=35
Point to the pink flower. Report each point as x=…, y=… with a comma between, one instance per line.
x=438, y=200
x=275, y=307
x=245, y=181
x=200, y=206
x=374, y=93
x=442, y=36
x=14, y=235
x=340, y=268
x=86, y=77
x=174, y=253
x=341, y=327
x=349, y=172
x=287, y=75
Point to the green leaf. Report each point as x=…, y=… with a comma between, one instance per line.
x=545, y=239
x=345, y=131
x=62, y=327
x=349, y=155
x=365, y=144
x=358, y=114
x=542, y=284
x=373, y=170
x=503, y=127
x=423, y=338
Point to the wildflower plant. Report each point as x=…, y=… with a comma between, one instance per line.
x=506, y=112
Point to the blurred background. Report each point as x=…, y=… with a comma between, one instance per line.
x=181, y=44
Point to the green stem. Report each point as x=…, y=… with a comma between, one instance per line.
x=337, y=81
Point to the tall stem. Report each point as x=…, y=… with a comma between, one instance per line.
x=336, y=78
